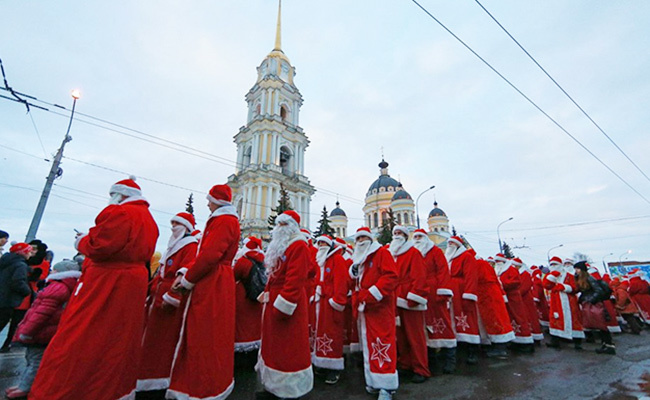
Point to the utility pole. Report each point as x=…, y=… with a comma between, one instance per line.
x=55, y=172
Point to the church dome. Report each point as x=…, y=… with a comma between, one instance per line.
x=401, y=194
x=384, y=181
x=337, y=212
x=436, y=212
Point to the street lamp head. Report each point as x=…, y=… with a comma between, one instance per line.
x=75, y=94
x=432, y=187
x=511, y=218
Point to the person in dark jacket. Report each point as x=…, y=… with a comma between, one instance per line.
x=4, y=238
x=13, y=280
x=594, y=313
x=42, y=320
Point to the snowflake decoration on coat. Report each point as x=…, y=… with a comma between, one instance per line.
x=461, y=322
x=515, y=326
x=324, y=344
x=312, y=337
x=380, y=352
x=439, y=325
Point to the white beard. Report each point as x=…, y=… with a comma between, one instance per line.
x=396, y=244
x=321, y=256
x=116, y=198
x=281, y=236
x=347, y=256
x=555, y=268
x=424, y=245
x=500, y=267
x=361, y=251
x=450, y=252
x=178, y=232
x=569, y=269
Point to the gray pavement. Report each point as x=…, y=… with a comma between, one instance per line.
x=548, y=374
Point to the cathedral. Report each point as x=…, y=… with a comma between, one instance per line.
x=271, y=146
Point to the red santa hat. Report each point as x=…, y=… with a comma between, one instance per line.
x=401, y=228
x=420, y=232
x=126, y=187
x=500, y=258
x=555, y=260
x=325, y=239
x=21, y=248
x=253, y=243
x=220, y=195
x=340, y=243
x=456, y=240
x=490, y=259
x=288, y=217
x=364, y=231
x=569, y=261
x=186, y=219
x=517, y=262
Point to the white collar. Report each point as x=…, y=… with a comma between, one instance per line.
x=57, y=276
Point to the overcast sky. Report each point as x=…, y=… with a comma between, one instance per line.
x=372, y=73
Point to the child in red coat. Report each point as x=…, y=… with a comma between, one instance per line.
x=41, y=321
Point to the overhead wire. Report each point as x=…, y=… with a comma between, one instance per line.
x=529, y=100
x=563, y=90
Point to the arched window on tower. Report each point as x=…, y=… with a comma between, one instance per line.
x=258, y=109
x=247, y=156
x=284, y=112
x=399, y=219
x=376, y=220
x=406, y=218
x=285, y=160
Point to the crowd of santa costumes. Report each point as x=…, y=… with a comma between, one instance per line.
x=400, y=309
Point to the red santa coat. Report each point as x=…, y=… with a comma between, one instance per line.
x=377, y=279
x=639, y=292
x=248, y=313
x=516, y=309
x=612, y=323
x=204, y=359
x=440, y=331
x=493, y=314
x=284, y=366
x=526, y=289
x=412, y=297
x=564, y=312
x=330, y=299
x=351, y=332
x=539, y=297
x=85, y=359
x=464, y=283
x=163, y=323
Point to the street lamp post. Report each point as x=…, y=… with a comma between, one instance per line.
x=499, y=235
x=605, y=266
x=417, y=213
x=54, y=173
x=620, y=262
x=548, y=253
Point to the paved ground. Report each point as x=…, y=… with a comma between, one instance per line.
x=548, y=374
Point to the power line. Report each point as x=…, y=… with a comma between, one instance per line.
x=24, y=153
x=562, y=89
x=531, y=101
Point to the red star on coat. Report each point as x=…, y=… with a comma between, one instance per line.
x=324, y=344
x=380, y=352
x=461, y=322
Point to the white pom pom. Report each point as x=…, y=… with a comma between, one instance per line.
x=132, y=177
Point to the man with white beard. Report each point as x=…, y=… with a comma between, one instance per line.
x=329, y=303
x=165, y=308
x=284, y=363
x=412, y=298
x=464, y=283
x=375, y=275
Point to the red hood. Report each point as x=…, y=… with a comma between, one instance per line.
x=255, y=255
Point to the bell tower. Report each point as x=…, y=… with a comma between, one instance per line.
x=271, y=146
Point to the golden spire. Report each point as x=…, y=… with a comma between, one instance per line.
x=278, y=33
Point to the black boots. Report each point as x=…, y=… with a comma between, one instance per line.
x=449, y=360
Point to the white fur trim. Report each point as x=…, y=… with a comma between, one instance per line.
x=131, y=199
x=78, y=239
x=129, y=396
x=263, y=297
x=614, y=329
x=336, y=306
x=470, y=296
x=388, y=381
x=174, y=394
x=57, y=276
x=225, y=210
x=578, y=334
x=181, y=271
x=452, y=240
x=171, y=301
x=284, y=306
x=363, y=234
x=375, y=292
x=503, y=338
x=285, y=384
x=523, y=339
x=245, y=347
x=285, y=218
x=416, y=298
x=217, y=202
x=182, y=242
x=400, y=228
x=403, y=303
x=324, y=239
x=124, y=190
x=144, y=385
x=329, y=363
x=552, y=278
x=444, y=292
x=567, y=288
x=467, y=338
x=187, y=284
x=441, y=343
x=538, y=336
x=183, y=222
x=505, y=298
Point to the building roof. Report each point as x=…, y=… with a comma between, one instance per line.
x=338, y=211
x=436, y=212
x=401, y=194
x=384, y=180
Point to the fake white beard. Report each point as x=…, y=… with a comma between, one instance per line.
x=116, y=198
x=396, y=244
x=361, y=251
x=569, y=269
x=321, y=255
x=178, y=232
x=281, y=235
x=422, y=244
x=450, y=252
x=347, y=256
x=500, y=267
x=555, y=267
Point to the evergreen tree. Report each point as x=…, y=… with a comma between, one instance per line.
x=507, y=251
x=189, y=206
x=386, y=232
x=324, y=227
x=284, y=204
